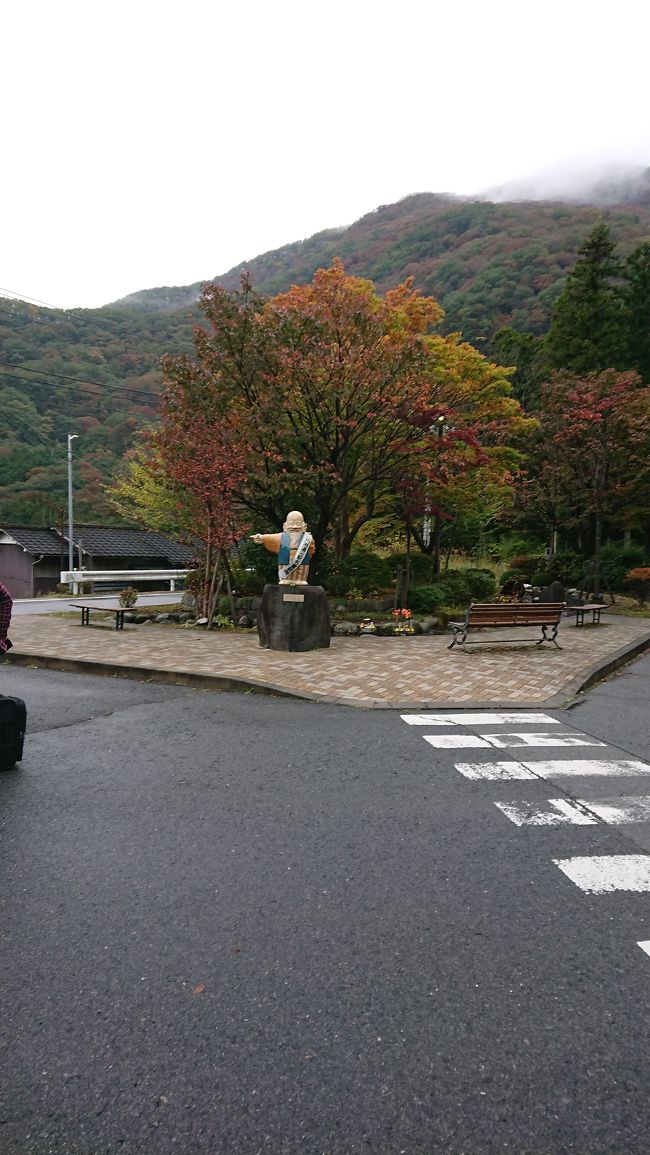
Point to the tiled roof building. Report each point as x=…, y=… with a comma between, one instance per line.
x=31, y=558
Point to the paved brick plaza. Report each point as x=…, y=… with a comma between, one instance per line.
x=367, y=672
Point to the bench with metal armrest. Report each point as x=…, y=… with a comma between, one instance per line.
x=503, y=615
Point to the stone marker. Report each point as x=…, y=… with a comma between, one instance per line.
x=294, y=618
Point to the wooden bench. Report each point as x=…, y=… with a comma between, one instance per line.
x=594, y=609
x=488, y=616
x=108, y=606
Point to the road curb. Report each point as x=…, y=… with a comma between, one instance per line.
x=145, y=674
x=231, y=684
x=597, y=672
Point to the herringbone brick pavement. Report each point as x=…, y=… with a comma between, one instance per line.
x=408, y=672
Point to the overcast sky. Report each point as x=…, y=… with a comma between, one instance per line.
x=161, y=142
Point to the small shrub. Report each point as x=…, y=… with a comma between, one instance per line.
x=128, y=597
x=248, y=582
x=222, y=622
x=482, y=583
x=567, y=568
x=363, y=571
x=354, y=594
x=515, y=575
x=428, y=599
x=638, y=580
x=616, y=561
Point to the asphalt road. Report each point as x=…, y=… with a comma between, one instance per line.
x=60, y=605
x=237, y=924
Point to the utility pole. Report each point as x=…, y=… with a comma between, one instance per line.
x=71, y=437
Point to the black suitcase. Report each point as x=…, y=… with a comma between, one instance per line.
x=13, y=720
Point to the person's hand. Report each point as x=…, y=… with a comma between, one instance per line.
x=257, y=538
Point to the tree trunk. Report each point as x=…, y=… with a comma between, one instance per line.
x=407, y=579
x=212, y=597
x=598, y=541
x=231, y=598
x=436, y=544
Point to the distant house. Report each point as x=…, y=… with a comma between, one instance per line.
x=31, y=559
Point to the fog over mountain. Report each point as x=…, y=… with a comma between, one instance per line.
x=602, y=185
x=598, y=184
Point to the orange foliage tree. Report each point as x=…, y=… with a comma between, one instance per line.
x=328, y=391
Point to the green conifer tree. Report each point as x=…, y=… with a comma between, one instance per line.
x=587, y=332
x=637, y=310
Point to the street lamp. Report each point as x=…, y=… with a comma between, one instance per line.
x=71, y=437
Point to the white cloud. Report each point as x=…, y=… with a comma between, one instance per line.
x=158, y=143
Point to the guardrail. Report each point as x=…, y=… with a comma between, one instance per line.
x=77, y=577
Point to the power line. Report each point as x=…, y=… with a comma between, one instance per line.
x=79, y=313
x=78, y=388
x=91, y=317
x=109, y=326
x=79, y=380
x=14, y=295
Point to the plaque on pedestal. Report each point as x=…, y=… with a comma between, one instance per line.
x=294, y=618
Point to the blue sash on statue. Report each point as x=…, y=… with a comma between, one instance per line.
x=286, y=566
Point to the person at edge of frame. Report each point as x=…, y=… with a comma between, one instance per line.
x=6, y=605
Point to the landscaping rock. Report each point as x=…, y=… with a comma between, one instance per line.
x=161, y=618
x=345, y=629
x=431, y=625
x=188, y=601
x=185, y=618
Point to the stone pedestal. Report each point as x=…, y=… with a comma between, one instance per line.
x=294, y=618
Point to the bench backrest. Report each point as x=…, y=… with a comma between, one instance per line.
x=514, y=613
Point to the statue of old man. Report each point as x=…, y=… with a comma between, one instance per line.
x=294, y=547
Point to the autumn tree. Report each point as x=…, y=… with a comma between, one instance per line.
x=467, y=462
x=142, y=492
x=198, y=454
x=328, y=389
x=589, y=464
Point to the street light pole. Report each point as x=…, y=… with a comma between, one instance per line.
x=71, y=437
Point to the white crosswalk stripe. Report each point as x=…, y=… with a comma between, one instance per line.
x=578, y=812
x=555, y=812
x=555, y=768
x=593, y=874
x=604, y=873
x=516, y=717
x=510, y=740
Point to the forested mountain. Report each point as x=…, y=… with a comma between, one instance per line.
x=95, y=372
x=489, y=264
